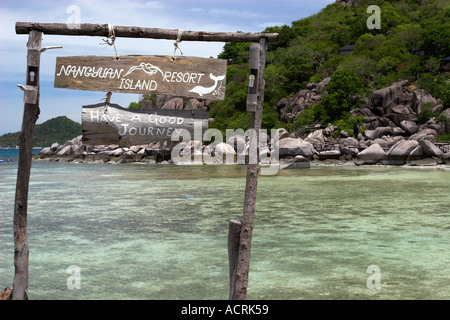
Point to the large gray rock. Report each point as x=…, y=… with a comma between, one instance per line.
x=372, y=154
x=399, y=152
x=446, y=157
x=426, y=134
x=383, y=131
x=80, y=150
x=317, y=139
x=77, y=141
x=117, y=152
x=401, y=113
x=421, y=97
x=427, y=162
x=237, y=142
x=224, y=153
x=401, y=109
x=45, y=152
x=430, y=149
x=410, y=127
x=319, y=87
x=316, y=135
x=385, y=97
x=349, y=146
x=65, y=151
x=282, y=133
x=54, y=146
x=299, y=162
x=329, y=130
x=175, y=103
x=135, y=149
x=330, y=154
x=294, y=147
x=416, y=154
x=385, y=143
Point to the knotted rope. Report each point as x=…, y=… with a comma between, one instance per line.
x=112, y=36
x=180, y=34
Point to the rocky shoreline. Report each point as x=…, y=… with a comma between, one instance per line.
x=392, y=135
x=294, y=153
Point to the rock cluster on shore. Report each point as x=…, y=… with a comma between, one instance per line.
x=391, y=135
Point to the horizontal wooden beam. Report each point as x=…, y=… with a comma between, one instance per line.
x=102, y=30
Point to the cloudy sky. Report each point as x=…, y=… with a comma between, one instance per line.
x=195, y=15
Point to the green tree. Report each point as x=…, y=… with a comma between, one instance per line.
x=343, y=91
x=235, y=52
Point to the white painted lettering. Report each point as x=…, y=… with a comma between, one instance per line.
x=193, y=77
x=136, y=118
x=132, y=131
x=89, y=72
x=96, y=117
x=124, y=125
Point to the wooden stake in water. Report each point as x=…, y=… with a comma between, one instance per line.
x=243, y=265
x=30, y=116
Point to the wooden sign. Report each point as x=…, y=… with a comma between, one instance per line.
x=111, y=124
x=194, y=77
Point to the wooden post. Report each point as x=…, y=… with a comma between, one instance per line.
x=30, y=116
x=234, y=235
x=243, y=266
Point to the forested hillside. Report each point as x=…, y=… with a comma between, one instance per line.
x=58, y=129
x=411, y=44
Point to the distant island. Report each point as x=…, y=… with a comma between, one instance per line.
x=59, y=129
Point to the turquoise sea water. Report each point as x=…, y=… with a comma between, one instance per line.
x=13, y=154
x=160, y=231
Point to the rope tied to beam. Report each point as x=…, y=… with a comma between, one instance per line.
x=112, y=42
x=180, y=34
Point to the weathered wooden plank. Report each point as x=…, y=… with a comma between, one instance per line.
x=111, y=124
x=30, y=116
x=234, y=232
x=101, y=30
x=185, y=76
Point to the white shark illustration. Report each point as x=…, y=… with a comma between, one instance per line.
x=205, y=90
x=146, y=67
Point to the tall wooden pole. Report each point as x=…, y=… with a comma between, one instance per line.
x=30, y=116
x=243, y=264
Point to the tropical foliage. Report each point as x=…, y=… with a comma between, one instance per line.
x=414, y=37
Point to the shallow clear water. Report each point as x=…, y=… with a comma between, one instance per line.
x=160, y=231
